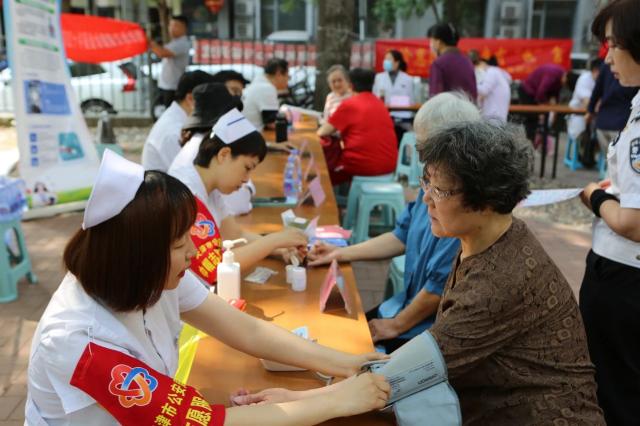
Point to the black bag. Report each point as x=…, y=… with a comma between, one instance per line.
x=587, y=147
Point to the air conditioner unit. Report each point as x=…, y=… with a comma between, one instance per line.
x=511, y=10
x=244, y=7
x=243, y=30
x=510, y=31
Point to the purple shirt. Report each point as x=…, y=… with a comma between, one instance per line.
x=452, y=71
x=544, y=83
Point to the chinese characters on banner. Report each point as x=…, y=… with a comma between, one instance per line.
x=205, y=235
x=519, y=57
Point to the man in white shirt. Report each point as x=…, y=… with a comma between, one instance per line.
x=261, y=97
x=175, y=57
x=163, y=143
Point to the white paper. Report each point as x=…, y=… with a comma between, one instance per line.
x=287, y=216
x=541, y=197
x=305, y=111
x=260, y=276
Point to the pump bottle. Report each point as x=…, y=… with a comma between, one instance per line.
x=229, y=272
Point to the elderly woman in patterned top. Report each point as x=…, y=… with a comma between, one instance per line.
x=508, y=323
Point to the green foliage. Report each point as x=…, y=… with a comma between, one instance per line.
x=386, y=11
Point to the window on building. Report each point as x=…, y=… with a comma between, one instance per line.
x=279, y=15
x=553, y=18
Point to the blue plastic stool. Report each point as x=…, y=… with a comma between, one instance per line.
x=389, y=195
x=100, y=147
x=571, y=155
x=354, y=194
x=408, y=163
x=602, y=165
x=10, y=275
x=395, y=283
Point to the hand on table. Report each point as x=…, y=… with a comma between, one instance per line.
x=322, y=253
x=267, y=396
x=383, y=329
x=289, y=238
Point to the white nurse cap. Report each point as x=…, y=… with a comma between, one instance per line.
x=232, y=126
x=116, y=185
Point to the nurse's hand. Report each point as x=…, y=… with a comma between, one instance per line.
x=356, y=361
x=267, y=396
x=322, y=253
x=585, y=195
x=363, y=393
x=288, y=238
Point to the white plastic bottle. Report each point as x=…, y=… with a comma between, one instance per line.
x=228, y=284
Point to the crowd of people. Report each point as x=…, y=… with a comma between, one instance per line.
x=518, y=347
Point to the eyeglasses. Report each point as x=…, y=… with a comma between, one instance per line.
x=436, y=193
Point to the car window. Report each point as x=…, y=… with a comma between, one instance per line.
x=130, y=69
x=81, y=69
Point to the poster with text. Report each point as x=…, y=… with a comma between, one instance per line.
x=58, y=160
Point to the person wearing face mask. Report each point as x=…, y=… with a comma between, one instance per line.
x=220, y=164
x=395, y=87
x=452, y=70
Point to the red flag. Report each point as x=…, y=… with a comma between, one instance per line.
x=205, y=235
x=136, y=394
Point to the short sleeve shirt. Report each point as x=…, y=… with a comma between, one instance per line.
x=173, y=67
x=370, y=144
x=512, y=337
x=260, y=95
x=73, y=319
x=428, y=261
x=163, y=143
x=623, y=158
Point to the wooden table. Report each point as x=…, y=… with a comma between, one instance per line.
x=219, y=370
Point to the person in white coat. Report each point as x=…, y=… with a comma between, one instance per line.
x=395, y=87
x=576, y=123
x=105, y=350
x=494, y=87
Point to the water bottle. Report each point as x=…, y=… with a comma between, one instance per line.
x=289, y=186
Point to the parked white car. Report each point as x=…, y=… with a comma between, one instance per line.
x=113, y=87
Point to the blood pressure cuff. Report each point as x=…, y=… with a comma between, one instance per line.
x=136, y=394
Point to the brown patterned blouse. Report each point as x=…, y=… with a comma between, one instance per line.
x=513, y=339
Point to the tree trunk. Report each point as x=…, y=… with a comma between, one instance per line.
x=452, y=11
x=335, y=32
x=163, y=14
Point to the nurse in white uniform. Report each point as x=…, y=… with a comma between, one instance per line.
x=220, y=164
x=394, y=86
x=105, y=349
x=610, y=291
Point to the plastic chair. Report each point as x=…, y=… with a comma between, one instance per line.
x=100, y=147
x=354, y=195
x=11, y=274
x=571, y=155
x=395, y=283
x=408, y=163
x=389, y=195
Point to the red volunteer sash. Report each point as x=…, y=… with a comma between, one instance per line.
x=136, y=394
x=205, y=235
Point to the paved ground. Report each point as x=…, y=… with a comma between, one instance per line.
x=567, y=244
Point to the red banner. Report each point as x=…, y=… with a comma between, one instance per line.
x=519, y=57
x=96, y=39
x=136, y=394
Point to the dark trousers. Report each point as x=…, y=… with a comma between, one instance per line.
x=610, y=306
x=530, y=120
x=389, y=345
x=167, y=96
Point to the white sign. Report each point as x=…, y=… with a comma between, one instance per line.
x=541, y=197
x=58, y=160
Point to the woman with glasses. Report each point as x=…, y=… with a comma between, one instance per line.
x=427, y=258
x=508, y=324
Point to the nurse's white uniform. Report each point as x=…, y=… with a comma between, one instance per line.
x=73, y=319
x=401, y=86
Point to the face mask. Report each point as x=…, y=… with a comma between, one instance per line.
x=387, y=65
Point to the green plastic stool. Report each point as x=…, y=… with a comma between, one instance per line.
x=100, y=147
x=388, y=195
x=11, y=274
x=408, y=162
x=354, y=194
x=395, y=283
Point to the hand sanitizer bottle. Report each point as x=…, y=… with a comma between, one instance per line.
x=229, y=272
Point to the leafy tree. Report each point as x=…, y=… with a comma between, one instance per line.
x=454, y=11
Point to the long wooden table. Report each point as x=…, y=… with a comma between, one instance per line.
x=219, y=370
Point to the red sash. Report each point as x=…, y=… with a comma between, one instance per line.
x=136, y=394
x=205, y=235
